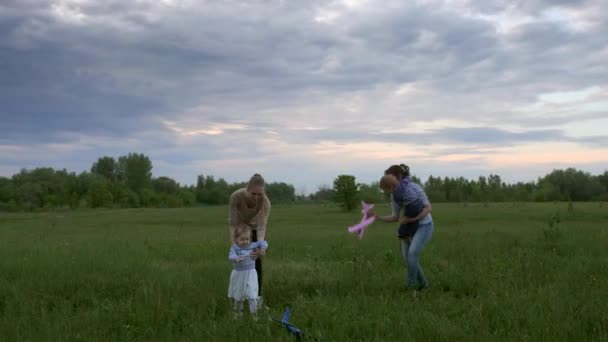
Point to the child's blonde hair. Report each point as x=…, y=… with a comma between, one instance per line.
x=241, y=230
x=387, y=181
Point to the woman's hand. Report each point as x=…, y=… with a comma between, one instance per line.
x=256, y=253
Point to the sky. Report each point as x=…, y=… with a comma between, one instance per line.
x=302, y=91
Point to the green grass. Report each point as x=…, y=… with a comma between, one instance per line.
x=498, y=272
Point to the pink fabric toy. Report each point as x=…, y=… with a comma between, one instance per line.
x=365, y=221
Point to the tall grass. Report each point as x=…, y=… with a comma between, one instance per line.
x=498, y=272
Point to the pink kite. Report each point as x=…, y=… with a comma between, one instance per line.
x=365, y=220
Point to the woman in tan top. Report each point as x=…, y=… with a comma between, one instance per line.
x=251, y=207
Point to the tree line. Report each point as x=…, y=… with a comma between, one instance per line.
x=124, y=182
x=559, y=185
x=127, y=182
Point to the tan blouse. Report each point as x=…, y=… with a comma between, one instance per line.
x=239, y=213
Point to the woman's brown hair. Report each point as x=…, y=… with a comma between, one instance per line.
x=400, y=171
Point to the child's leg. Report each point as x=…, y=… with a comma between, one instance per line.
x=253, y=305
x=238, y=307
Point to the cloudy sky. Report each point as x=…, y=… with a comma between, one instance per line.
x=302, y=91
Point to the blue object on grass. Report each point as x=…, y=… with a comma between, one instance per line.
x=290, y=327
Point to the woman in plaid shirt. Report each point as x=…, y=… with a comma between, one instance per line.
x=416, y=224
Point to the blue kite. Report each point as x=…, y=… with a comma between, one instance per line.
x=290, y=327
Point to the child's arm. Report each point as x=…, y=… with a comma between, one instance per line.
x=422, y=214
x=262, y=244
x=425, y=211
x=232, y=256
x=259, y=247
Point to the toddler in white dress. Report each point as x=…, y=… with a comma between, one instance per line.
x=244, y=278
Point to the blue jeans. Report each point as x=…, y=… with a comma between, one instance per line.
x=411, y=254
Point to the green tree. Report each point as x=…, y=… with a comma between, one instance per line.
x=187, y=196
x=280, y=192
x=603, y=179
x=210, y=191
x=324, y=193
x=149, y=198
x=99, y=194
x=41, y=187
x=434, y=188
x=571, y=184
x=495, y=187
x=30, y=196
x=165, y=185
x=80, y=188
x=483, y=189
x=346, y=192
x=7, y=190
x=106, y=167
x=135, y=170
x=371, y=193
x=125, y=197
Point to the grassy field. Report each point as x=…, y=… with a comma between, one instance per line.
x=533, y=272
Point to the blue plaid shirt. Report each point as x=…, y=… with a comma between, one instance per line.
x=406, y=193
x=245, y=252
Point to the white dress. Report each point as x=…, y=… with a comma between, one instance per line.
x=243, y=285
x=244, y=277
